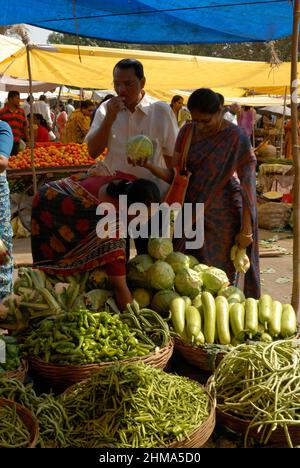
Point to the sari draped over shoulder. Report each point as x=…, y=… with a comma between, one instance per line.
x=63, y=228
x=223, y=178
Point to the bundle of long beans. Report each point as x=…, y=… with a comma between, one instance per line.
x=261, y=383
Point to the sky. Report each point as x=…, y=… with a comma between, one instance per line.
x=38, y=35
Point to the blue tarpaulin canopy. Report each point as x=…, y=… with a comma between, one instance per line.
x=157, y=21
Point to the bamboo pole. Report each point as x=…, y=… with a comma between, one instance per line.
x=296, y=161
x=57, y=107
x=31, y=140
x=282, y=124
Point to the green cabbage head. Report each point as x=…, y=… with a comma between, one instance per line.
x=192, y=261
x=214, y=279
x=178, y=261
x=160, y=248
x=142, y=297
x=139, y=147
x=161, y=275
x=161, y=301
x=229, y=291
x=188, y=282
x=137, y=270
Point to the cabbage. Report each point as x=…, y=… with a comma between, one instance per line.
x=95, y=299
x=214, y=279
x=193, y=261
x=229, y=291
x=160, y=275
x=161, y=301
x=139, y=147
x=178, y=261
x=137, y=270
x=160, y=248
x=142, y=297
x=200, y=267
x=188, y=282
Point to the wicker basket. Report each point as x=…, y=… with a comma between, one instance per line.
x=241, y=425
x=19, y=373
x=199, y=436
x=60, y=376
x=28, y=419
x=200, y=356
x=203, y=432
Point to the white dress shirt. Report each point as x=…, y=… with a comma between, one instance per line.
x=156, y=120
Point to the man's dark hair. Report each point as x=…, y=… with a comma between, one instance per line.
x=42, y=97
x=86, y=104
x=12, y=94
x=124, y=64
x=70, y=101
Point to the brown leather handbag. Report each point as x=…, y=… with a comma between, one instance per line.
x=180, y=182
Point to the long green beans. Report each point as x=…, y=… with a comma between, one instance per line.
x=13, y=432
x=53, y=421
x=261, y=383
x=132, y=406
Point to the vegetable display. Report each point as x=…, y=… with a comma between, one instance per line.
x=12, y=354
x=227, y=321
x=72, y=154
x=260, y=384
x=83, y=337
x=140, y=407
x=13, y=432
x=53, y=421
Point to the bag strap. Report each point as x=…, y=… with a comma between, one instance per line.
x=185, y=146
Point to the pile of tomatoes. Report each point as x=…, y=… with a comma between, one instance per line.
x=72, y=154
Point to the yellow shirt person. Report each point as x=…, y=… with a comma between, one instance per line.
x=78, y=124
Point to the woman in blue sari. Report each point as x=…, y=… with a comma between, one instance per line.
x=222, y=165
x=6, y=270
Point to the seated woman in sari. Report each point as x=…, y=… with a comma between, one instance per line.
x=63, y=228
x=222, y=164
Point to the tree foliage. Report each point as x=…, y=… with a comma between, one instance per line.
x=242, y=51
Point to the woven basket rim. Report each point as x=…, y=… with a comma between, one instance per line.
x=25, y=414
x=240, y=426
x=154, y=353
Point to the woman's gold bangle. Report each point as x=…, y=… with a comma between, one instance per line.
x=246, y=235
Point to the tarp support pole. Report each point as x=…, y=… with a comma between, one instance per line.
x=281, y=155
x=31, y=139
x=296, y=161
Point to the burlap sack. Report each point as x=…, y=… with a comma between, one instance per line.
x=274, y=215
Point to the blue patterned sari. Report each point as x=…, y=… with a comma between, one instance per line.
x=6, y=271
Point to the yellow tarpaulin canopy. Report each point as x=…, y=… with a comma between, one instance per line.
x=163, y=71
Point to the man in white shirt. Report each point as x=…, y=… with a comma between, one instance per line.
x=70, y=107
x=42, y=107
x=232, y=113
x=130, y=113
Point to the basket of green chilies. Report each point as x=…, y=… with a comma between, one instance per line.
x=67, y=349
x=18, y=427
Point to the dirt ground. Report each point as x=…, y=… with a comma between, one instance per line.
x=276, y=272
